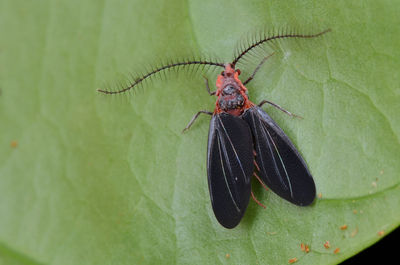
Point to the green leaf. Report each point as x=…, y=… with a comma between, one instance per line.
x=93, y=179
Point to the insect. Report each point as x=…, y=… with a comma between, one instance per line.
x=244, y=141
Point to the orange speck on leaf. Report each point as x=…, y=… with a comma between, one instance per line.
x=355, y=231
x=343, y=227
x=307, y=249
x=14, y=144
x=304, y=247
x=292, y=260
x=327, y=244
x=381, y=233
x=336, y=250
x=319, y=195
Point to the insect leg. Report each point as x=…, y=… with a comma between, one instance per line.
x=257, y=201
x=279, y=108
x=257, y=68
x=195, y=117
x=258, y=169
x=259, y=180
x=208, y=87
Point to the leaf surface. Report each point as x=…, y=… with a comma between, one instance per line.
x=91, y=179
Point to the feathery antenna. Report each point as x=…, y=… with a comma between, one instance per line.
x=269, y=38
x=140, y=79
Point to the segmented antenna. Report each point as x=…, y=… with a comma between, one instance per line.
x=140, y=79
x=269, y=38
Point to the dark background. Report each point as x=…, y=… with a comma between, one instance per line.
x=385, y=251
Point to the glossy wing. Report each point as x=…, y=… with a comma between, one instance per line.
x=282, y=168
x=229, y=167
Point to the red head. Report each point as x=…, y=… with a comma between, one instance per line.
x=229, y=76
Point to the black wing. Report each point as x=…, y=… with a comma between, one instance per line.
x=229, y=167
x=281, y=166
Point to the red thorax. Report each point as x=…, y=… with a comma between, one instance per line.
x=231, y=93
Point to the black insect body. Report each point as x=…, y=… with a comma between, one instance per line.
x=281, y=167
x=229, y=167
x=243, y=140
